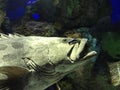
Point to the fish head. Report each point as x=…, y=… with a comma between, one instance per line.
x=62, y=54
x=68, y=53
x=55, y=57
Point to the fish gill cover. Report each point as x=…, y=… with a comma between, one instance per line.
x=115, y=11
x=15, y=9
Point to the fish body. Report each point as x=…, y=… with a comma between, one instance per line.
x=38, y=62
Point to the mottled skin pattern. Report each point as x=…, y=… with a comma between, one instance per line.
x=36, y=62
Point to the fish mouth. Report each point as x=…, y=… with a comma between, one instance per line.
x=81, y=51
x=86, y=53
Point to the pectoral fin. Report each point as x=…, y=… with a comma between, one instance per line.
x=12, y=72
x=10, y=76
x=115, y=73
x=3, y=77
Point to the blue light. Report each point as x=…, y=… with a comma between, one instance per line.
x=36, y=16
x=31, y=2
x=115, y=11
x=15, y=9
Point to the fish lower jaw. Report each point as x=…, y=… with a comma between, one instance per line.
x=90, y=55
x=87, y=56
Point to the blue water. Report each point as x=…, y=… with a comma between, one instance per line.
x=115, y=16
x=15, y=9
x=16, y=13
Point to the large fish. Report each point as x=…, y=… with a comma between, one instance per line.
x=35, y=63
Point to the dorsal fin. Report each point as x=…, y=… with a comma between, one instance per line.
x=9, y=75
x=18, y=35
x=4, y=36
x=12, y=72
x=11, y=35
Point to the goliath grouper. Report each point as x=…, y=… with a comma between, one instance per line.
x=35, y=63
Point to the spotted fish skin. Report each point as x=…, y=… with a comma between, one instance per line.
x=38, y=62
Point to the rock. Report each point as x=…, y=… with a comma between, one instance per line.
x=71, y=13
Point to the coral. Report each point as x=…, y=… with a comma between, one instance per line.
x=72, y=13
x=36, y=28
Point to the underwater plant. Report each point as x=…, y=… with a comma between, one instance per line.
x=111, y=44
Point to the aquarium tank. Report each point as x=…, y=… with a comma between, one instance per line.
x=59, y=44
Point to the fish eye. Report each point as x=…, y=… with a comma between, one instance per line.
x=70, y=41
x=65, y=40
x=74, y=42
